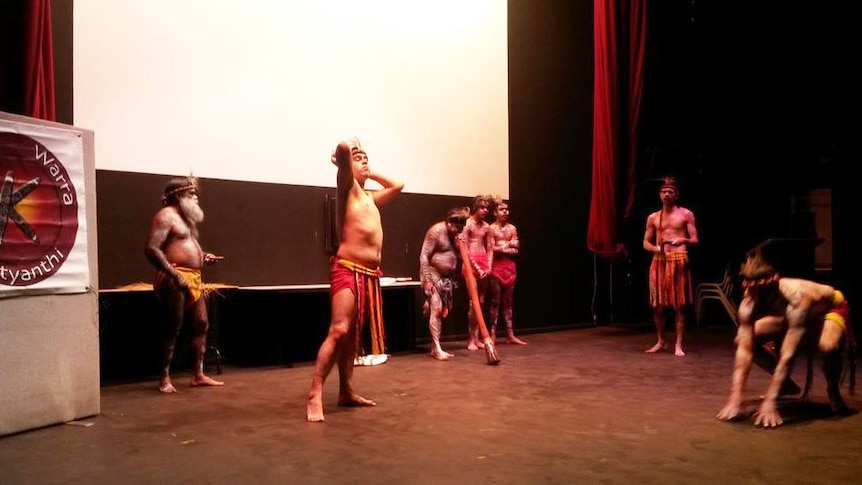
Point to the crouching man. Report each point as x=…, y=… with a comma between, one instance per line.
x=788, y=312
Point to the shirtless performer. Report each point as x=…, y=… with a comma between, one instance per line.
x=669, y=232
x=504, y=237
x=354, y=272
x=438, y=263
x=477, y=235
x=173, y=248
x=790, y=312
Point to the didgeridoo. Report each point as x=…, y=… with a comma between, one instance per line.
x=470, y=279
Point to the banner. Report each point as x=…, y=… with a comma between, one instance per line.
x=43, y=233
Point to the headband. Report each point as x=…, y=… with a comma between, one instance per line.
x=669, y=183
x=355, y=147
x=178, y=190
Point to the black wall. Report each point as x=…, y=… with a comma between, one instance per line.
x=270, y=234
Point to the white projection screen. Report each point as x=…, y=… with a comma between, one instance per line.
x=263, y=90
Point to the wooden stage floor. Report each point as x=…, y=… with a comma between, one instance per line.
x=574, y=406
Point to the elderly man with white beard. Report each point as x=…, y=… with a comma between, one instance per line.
x=174, y=250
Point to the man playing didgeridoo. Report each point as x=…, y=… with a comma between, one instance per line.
x=477, y=237
x=354, y=272
x=173, y=248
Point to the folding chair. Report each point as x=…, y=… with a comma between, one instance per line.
x=721, y=291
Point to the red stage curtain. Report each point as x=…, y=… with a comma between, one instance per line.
x=39, y=62
x=616, y=105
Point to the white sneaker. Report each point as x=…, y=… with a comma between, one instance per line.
x=377, y=359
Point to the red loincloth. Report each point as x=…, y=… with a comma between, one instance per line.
x=504, y=270
x=365, y=285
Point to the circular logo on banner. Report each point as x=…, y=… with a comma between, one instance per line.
x=38, y=211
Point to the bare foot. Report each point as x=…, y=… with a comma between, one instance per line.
x=204, y=380
x=515, y=340
x=678, y=351
x=167, y=388
x=314, y=409
x=354, y=400
x=441, y=355
x=656, y=348
x=472, y=345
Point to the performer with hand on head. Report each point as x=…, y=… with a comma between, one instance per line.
x=354, y=273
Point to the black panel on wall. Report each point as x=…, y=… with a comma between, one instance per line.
x=270, y=234
x=550, y=157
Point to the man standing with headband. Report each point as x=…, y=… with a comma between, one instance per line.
x=438, y=265
x=669, y=232
x=354, y=273
x=173, y=248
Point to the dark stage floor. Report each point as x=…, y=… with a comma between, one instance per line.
x=574, y=406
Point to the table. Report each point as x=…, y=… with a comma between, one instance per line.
x=280, y=325
x=249, y=326
x=132, y=324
